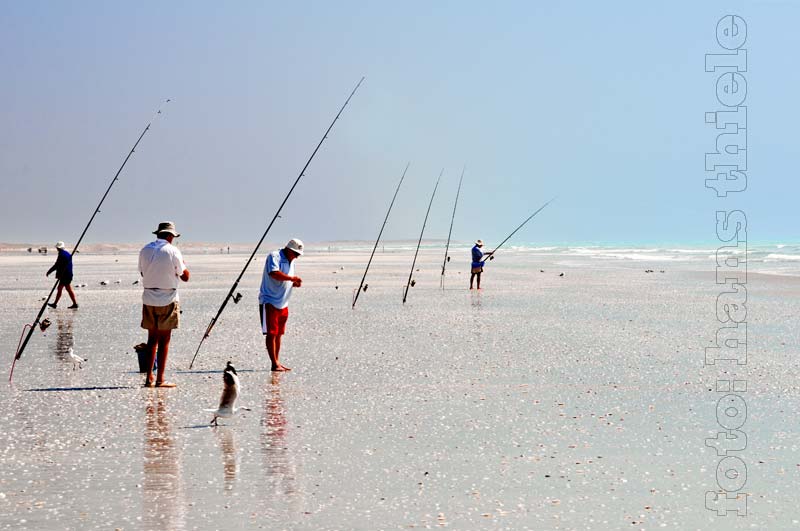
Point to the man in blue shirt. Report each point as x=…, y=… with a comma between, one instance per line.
x=477, y=263
x=63, y=269
x=273, y=299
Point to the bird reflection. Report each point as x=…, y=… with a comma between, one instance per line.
x=162, y=502
x=278, y=462
x=230, y=463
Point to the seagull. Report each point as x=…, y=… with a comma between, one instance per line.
x=75, y=359
x=230, y=392
x=104, y=282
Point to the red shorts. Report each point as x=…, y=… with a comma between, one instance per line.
x=273, y=320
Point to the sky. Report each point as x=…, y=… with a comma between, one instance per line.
x=599, y=104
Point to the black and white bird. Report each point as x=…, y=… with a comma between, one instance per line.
x=75, y=359
x=230, y=393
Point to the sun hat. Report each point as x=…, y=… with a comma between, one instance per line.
x=479, y=243
x=295, y=245
x=167, y=226
x=59, y=245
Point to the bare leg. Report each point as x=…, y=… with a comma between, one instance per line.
x=70, y=293
x=152, y=344
x=479, y=280
x=164, y=337
x=58, y=293
x=278, y=354
x=471, y=280
x=274, y=350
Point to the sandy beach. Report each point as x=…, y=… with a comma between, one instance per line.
x=542, y=402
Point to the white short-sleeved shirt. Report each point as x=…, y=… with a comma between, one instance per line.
x=276, y=292
x=161, y=265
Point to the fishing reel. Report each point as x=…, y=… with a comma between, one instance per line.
x=413, y=283
x=365, y=287
x=237, y=298
x=44, y=324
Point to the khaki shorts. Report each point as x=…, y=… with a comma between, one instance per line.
x=477, y=270
x=160, y=317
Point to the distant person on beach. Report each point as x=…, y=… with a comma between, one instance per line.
x=161, y=265
x=477, y=263
x=273, y=300
x=63, y=269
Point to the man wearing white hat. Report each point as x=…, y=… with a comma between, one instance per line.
x=63, y=269
x=477, y=263
x=161, y=266
x=273, y=299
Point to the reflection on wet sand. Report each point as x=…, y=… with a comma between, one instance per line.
x=64, y=337
x=230, y=463
x=162, y=500
x=278, y=463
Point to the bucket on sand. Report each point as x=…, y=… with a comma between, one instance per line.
x=143, y=354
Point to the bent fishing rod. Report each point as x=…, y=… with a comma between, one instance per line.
x=452, y=219
x=360, y=286
x=491, y=254
x=24, y=343
x=230, y=294
x=405, y=293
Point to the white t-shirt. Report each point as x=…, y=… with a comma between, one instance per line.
x=161, y=265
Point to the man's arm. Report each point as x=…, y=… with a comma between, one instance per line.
x=59, y=260
x=280, y=276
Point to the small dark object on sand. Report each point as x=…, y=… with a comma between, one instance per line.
x=135, y=282
x=541, y=271
x=337, y=287
x=561, y=275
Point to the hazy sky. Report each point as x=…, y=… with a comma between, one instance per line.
x=599, y=103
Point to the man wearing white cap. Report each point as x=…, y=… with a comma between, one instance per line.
x=477, y=263
x=63, y=269
x=161, y=266
x=273, y=299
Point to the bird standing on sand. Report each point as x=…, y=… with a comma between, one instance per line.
x=75, y=359
x=230, y=392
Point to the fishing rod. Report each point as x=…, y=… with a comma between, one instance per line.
x=405, y=293
x=36, y=321
x=491, y=257
x=360, y=286
x=236, y=297
x=452, y=219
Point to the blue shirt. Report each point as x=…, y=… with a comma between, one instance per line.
x=477, y=254
x=63, y=265
x=276, y=292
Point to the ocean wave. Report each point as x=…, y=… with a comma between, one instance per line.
x=775, y=257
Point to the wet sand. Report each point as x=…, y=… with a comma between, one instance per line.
x=541, y=402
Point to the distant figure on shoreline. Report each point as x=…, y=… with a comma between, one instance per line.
x=477, y=263
x=63, y=269
x=161, y=265
x=273, y=300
